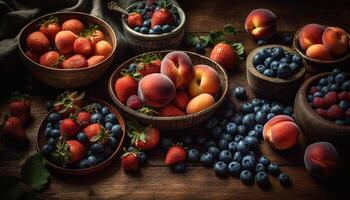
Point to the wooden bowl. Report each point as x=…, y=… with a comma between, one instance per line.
x=272, y=88
x=314, y=127
x=317, y=65
x=67, y=78
x=178, y=122
x=141, y=43
x=41, y=140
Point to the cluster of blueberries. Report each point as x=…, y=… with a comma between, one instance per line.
x=276, y=62
x=97, y=152
x=146, y=11
x=233, y=143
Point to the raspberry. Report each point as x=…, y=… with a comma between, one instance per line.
x=331, y=98
x=314, y=89
x=319, y=102
x=335, y=112
x=134, y=102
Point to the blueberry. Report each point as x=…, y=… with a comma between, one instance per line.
x=53, y=117
x=84, y=163
x=166, y=28
x=225, y=156
x=112, y=142
x=193, y=155
x=211, y=123
x=264, y=53
x=231, y=128
x=242, y=147
x=248, y=162
x=246, y=177
x=284, y=71
x=259, y=168
x=115, y=130
x=105, y=110
x=57, y=125
x=48, y=132
x=179, y=167
x=226, y=136
x=47, y=149
x=330, y=79
x=137, y=29
x=99, y=158
x=237, y=156
x=220, y=168
x=237, y=119
x=248, y=120
x=111, y=118
x=262, y=179
x=294, y=67
x=131, y=149
x=284, y=179
x=259, y=128
x=214, y=151
x=165, y=143
x=258, y=59
x=144, y=30
x=340, y=78
x=317, y=94
x=89, y=153
x=96, y=118
x=346, y=86
x=260, y=117
x=82, y=137
x=261, y=42
x=187, y=139
x=51, y=141
x=288, y=39
x=257, y=109
x=157, y=29
x=310, y=97
x=285, y=60
x=297, y=59
x=288, y=111
x=234, y=168
x=49, y=105
x=216, y=132
x=273, y=169
x=143, y=158
x=97, y=148
x=254, y=133
x=207, y=159
x=278, y=53
x=199, y=48
x=324, y=90
x=334, y=87
x=232, y=147
x=107, y=152
x=260, y=68
x=266, y=108
x=108, y=125
x=240, y=93
x=238, y=138
x=92, y=160
x=274, y=64
x=146, y=23
x=55, y=133
x=336, y=70
x=151, y=32
x=96, y=107
x=268, y=61
x=270, y=116
x=264, y=160
x=209, y=143
x=252, y=142
x=268, y=72
x=344, y=104
x=277, y=109
x=246, y=108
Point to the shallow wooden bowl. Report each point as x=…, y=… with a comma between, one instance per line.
x=317, y=65
x=178, y=122
x=314, y=127
x=272, y=88
x=67, y=78
x=41, y=140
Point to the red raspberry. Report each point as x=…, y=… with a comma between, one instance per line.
x=331, y=98
x=335, y=112
x=134, y=102
x=313, y=90
x=343, y=96
x=321, y=112
x=319, y=102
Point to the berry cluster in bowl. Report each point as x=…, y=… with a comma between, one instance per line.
x=276, y=62
x=330, y=97
x=153, y=18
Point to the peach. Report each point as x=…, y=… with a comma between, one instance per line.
x=156, y=90
x=261, y=23
x=170, y=111
x=281, y=132
x=181, y=99
x=310, y=34
x=177, y=65
x=336, y=40
x=321, y=159
x=200, y=103
x=205, y=80
x=319, y=51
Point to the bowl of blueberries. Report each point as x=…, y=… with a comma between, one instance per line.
x=155, y=25
x=275, y=71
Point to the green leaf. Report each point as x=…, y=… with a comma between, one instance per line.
x=34, y=172
x=216, y=37
x=191, y=39
x=229, y=29
x=238, y=48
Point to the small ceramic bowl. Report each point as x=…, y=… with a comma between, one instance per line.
x=141, y=43
x=272, y=88
x=41, y=140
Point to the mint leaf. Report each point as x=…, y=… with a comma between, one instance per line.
x=34, y=172
x=229, y=29
x=191, y=39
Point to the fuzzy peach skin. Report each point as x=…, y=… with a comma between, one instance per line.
x=205, y=80
x=181, y=99
x=281, y=132
x=321, y=159
x=261, y=23
x=336, y=40
x=177, y=65
x=310, y=34
x=200, y=103
x=156, y=90
x=319, y=51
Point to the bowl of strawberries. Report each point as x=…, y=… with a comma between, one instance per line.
x=67, y=49
x=80, y=135
x=169, y=89
x=154, y=25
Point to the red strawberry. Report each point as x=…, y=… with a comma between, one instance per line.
x=148, y=64
x=170, y=111
x=50, y=28
x=51, y=59
x=83, y=45
x=69, y=127
x=33, y=56
x=335, y=112
x=224, y=55
x=319, y=102
x=134, y=20
x=75, y=62
x=130, y=161
x=96, y=133
x=163, y=16
x=74, y=25
x=344, y=96
x=69, y=103
x=83, y=118
x=37, y=42
x=321, y=112
x=125, y=87
x=96, y=36
x=331, y=98
x=144, y=138
x=12, y=130
x=134, y=102
x=20, y=107
x=94, y=60
x=70, y=151
x=314, y=89
x=175, y=154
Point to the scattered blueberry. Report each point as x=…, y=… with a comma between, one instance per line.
x=193, y=155
x=240, y=93
x=264, y=160
x=246, y=177
x=248, y=163
x=259, y=168
x=47, y=149
x=284, y=179
x=207, y=159
x=225, y=156
x=262, y=179
x=199, y=48
x=180, y=167
x=261, y=42
x=273, y=169
x=214, y=151
x=143, y=158
x=220, y=168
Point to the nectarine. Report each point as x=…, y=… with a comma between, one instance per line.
x=206, y=80
x=261, y=23
x=319, y=51
x=310, y=34
x=336, y=40
x=200, y=103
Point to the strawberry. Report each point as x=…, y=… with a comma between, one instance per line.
x=148, y=64
x=83, y=118
x=134, y=20
x=64, y=41
x=144, y=138
x=33, y=56
x=124, y=87
x=335, y=112
x=134, y=102
x=314, y=89
x=344, y=96
x=73, y=25
x=130, y=161
x=163, y=16
x=12, y=130
x=331, y=98
x=170, y=111
x=83, y=45
x=69, y=103
x=103, y=48
x=96, y=133
x=321, y=112
x=224, y=55
x=94, y=60
x=37, y=42
x=75, y=62
x=319, y=102
x=175, y=154
x=93, y=34
x=51, y=59
x=70, y=151
x=69, y=127
x=50, y=27
x=20, y=107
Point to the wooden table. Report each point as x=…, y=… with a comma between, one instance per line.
x=157, y=181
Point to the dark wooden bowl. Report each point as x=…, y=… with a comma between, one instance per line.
x=317, y=65
x=314, y=127
x=178, y=122
x=67, y=78
x=272, y=88
x=41, y=140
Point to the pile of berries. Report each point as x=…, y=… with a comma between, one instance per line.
x=276, y=62
x=153, y=18
x=330, y=97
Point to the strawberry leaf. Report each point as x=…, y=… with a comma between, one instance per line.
x=34, y=172
x=216, y=37
x=229, y=29
x=191, y=39
x=238, y=48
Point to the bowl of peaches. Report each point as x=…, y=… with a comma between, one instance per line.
x=322, y=47
x=169, y=89
x=67, y=49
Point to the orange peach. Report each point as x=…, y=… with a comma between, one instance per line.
x=261, y=23
x=336, y=40
x=177, y=66
x=205, y=80
x=181, y=99
x=200, y=103
x=319, y=51
x=281, y=132
x=156, y=90
x=170, y=111
x=310, y=34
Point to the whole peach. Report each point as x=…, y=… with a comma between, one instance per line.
x=336, y=40
x=310, y=34
x=200, y=103
x=281, y=132
x=261, y=23
x=156, y=90
x=205, y=80
x=319, y=51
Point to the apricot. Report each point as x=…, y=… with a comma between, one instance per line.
x=156, y=90
x=181, y=99
x=310, y=34
x=200, y=103
x=281, y=132
x=319, y=51
x=336, y=40
x=205, y=80
x=261, y=23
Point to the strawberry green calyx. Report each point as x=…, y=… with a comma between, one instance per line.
x=135, y=75
x=101, y=137
x=133, y=153
x=136, y=131
x=59, y=61
x=62, y=153
x=68, y=99
x=147, y=111
x=90, y=30
x=17, y=96
x=147, y=58
x=166, y=5
x=50, y=20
